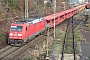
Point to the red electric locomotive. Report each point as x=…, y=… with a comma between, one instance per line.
x=21, y=31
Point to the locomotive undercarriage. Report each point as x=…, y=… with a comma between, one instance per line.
x=11, y=41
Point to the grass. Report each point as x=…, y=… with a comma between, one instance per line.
x=88, y=25
x=26, y=59
x=78, y=37
x=3, y=37
x=11, y=4
x=57, y=46
x=68, y=50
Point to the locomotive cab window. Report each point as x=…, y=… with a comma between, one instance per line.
x=16, y=28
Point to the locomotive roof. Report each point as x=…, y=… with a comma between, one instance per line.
x=30, y=20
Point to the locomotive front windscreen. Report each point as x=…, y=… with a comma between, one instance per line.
x=16, y=28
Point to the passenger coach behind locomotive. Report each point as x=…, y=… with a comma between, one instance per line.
x=21, y=31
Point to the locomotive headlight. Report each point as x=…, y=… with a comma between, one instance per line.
x=19, y=34
x=20, y=37
x=11, y=34
x=10, y=37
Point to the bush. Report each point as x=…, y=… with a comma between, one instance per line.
x=11, y=4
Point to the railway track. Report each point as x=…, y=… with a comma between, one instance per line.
x=70, y=32
x=10, y=51
x=7, y=50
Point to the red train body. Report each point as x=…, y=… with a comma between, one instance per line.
x=21, y=31
x=61, y=16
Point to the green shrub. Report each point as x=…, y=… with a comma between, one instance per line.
x=11, y=4
x=2, y=37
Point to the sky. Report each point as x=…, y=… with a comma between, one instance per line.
x=78, y=0
x=74, y=0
